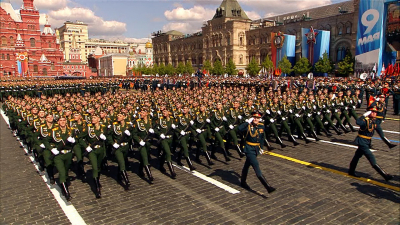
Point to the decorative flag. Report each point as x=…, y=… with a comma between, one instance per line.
x=371, y=100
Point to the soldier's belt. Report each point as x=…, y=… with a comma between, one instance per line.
x=365, y=137
x=168, y=136
x=65, y=151
x=97, y=146
x=252, y=143
x=124, y=143
x=379, y=117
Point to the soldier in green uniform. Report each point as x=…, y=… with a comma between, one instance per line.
x=203, y=133
x=63, y=140
x=218, y=121
x=94, y=144
x=363, y=140
x=79, y=126
x=143, y=130
x=381, y=109
x=166, y=133
x=234, y=116
x=396, y=98
x=254, y=136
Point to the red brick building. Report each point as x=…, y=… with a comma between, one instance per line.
x=20, y=33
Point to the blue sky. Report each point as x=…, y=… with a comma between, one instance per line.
x=134, y=20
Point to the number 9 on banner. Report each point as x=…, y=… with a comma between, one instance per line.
x=367, y=21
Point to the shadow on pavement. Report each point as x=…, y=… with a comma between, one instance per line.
x=377, y=192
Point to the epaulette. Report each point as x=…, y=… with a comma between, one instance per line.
x=138, y=119
x=89, y=125
x=102, y=125
x=36, y=120
x=115, y=123
x=56, y=128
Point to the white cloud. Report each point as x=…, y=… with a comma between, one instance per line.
x=50, y=4
x=184, y=27
x=253, y=15
x=191, y=14
x=96, y=25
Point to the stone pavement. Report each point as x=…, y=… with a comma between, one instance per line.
x=304, y=195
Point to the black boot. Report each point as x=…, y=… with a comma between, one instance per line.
x=266, y=184
x=315, y=136
x=352, y=169
x=305, y=138
x=227, y=159
x=197, y=159
x=344, y=129
x=210, y=163
x=41, y=164
x=171, y=170
x=213, y=150
x=65, y=190
x=140, y=172
x=191, y=167
x=97, y=186
x=327, y=133
x=241, y=154
x=293, y=140
x=243, y=179
x=148, y=172
x=124, y=176
x=385, y=175
x=50, y=172
x=179, y=158
x=388, y=143
x=81, y=171
x=337, y=131
x=279, y=141
x=161, y=166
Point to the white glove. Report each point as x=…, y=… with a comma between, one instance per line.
x=341, y=103
x=354, y=107
x=224, y=118
x=367, y=113
x=268, y=111
x=217, y=129
x=309, y=115
x=162, y=136
x=231, y=127
x=19, y=120
x=191, y=122
x=359, y=101
x=42, y=145
x=55, y=151
x=173, y=126
x=151, y=131
x=291, y=111
x=127, y=132
x=240, y=117
x=283, y=118
x=297, y=115
x=109, y=126
x=351, y=101
x=142, y=143
x=336, y=110
x=323, y=106
x=115, y=145
x=319, y=113
x=89, y=149
x=102, y=137
x=314, y=107
x=134, y=115
x=346, y=108
x=183, y=132
x=333, y=104
x=377, y=99
x=208, y=120
x=151, y=114
x=328, y=111
x=272, y=120
x=279, y=112
x=198, y=131
x=71, y=139
x=261, y=151
x=303, y=107
x=250, y=120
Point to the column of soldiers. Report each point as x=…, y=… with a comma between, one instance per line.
x=64, y=122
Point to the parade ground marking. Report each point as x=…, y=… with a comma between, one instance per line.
x=333, y=171
x=208, y=179
x=393, y=119
x=69, y=210
x=336, y=143
x=387, y=131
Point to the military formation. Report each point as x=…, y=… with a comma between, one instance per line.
x=185, y=119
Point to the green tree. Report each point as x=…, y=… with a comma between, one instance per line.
x=155, y=69
x=230, y=68
x=253, y=67
x=207, y=66
x=323, y=65
x=267, y=64
x=302, y=66
x=346, y=66
x=218, y=68
x=189, y=68
x=180, y=69
x=285, y=65
x=169, y=69
x=161, y=69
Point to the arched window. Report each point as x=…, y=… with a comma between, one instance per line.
x=340, y=54
x=3, y=57
x=52, y=66
x=11, y=41
x=348, y=28
x=241, y=38
x=340, y=29
x=49, y=45
x=35, y=68
x=45, y=71
x=8, y=56
x=3, y=41
x=240, y=59
x=33, y=43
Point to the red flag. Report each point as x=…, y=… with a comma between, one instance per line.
x=371, y=100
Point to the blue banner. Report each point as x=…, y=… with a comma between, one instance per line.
x=320, y=47
x=288, y=49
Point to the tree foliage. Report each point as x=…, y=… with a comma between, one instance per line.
x=267, y=64
x=302, y=66
x=169, y=69
x=180, y=69
x=189, y=68
x=253, y=67
x=346, y=66
x=285, y=65
x=207, y=66
x=323, y=65
x=230, y=68
x=218, y=68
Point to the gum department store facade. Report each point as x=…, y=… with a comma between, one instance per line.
x=231, y=34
